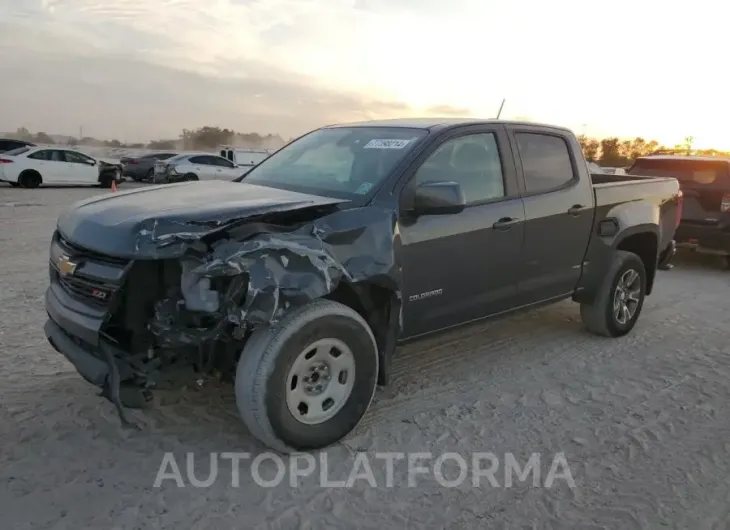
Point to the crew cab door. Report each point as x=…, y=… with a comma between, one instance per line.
x=461, y=266
x=559, y=208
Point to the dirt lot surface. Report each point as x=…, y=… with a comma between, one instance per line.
x=639, y=419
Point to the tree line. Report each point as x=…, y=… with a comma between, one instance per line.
x=614, y=152
x=203, y=138
x=607, y=152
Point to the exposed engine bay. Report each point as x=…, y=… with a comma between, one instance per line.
x=203, y=287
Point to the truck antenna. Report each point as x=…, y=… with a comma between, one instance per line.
x=500, y=108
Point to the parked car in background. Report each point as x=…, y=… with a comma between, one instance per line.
x=8, y=144
x=30, y=167
x=614, y=170
x=299, y=279
x=245, y=158
x=142, y=168
x=195, y=166
x=705, y=183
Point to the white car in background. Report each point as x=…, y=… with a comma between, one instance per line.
x=195, y=166
x=30, y=167
x=245, y=158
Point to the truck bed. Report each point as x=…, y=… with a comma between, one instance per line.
x=615, y=189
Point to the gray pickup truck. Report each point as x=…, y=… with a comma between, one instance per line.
x=298, y=280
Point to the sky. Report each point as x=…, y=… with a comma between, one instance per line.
x=138, y=70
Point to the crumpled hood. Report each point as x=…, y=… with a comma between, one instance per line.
x=153, y=222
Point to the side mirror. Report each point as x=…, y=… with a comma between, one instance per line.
x=439, y=198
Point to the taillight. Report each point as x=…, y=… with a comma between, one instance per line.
x=680, y=208
x=725, y=204
x=5, y=161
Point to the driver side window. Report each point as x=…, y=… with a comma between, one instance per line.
x=76, y=158
x=472, y=161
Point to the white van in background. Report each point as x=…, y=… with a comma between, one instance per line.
x=245, y=158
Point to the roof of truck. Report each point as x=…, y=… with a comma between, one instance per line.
x=439, y=123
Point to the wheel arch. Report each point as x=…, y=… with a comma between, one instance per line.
x=380, y=307
x=30, y=172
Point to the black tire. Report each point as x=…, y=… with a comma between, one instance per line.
x=599, y=317
x=262, y=376
x=149, y=176
x=106, y=181
x=189, y=177
x=30, y=179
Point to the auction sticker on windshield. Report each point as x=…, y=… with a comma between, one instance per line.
x=364, y=188
x=386, y=144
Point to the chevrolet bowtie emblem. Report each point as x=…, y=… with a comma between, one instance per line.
x=65, y=266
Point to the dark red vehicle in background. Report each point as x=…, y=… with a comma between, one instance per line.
x=705, y=182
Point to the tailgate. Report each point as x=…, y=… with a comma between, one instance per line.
x=705, y=184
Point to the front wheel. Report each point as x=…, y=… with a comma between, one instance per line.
x=307, y=381
x=618, y=303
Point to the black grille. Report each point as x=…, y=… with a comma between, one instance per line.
x=86, y=291
x=96, y=278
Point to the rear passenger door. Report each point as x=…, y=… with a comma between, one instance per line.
x=558, y=214
x=51, y=165
x=460, y=267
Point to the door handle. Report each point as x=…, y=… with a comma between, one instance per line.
x=575, y=210
x=505, y=223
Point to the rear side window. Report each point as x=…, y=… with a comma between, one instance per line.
x=692, y=173
x=546, y=162
x=46, y=154
x=199, y=160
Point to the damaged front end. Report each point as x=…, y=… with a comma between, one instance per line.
x=195, y=290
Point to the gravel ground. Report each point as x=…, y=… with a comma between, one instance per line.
x=638, y=419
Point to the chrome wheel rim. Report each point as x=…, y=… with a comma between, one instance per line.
x=627, y=296
x=320, y=381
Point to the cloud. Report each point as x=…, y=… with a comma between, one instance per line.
x=67, y=86
x=447, y=110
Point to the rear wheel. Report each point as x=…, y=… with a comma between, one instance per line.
x=618, y=303
x=307, y=381
x=189, y=177
x=30, y=179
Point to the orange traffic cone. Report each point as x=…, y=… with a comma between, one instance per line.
x=114, y=186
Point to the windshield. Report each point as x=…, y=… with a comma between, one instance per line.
x=18, y=151
x=342, y=162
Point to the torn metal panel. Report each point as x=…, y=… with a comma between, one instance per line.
x=278, y=268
